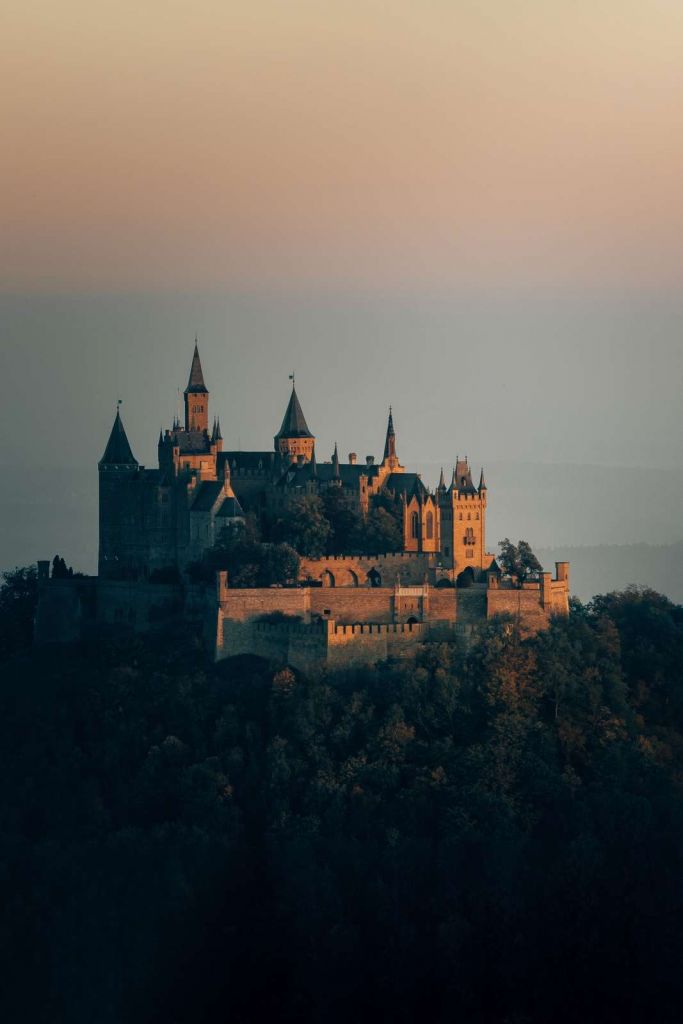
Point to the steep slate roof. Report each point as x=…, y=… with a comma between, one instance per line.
x=294, y=424
x=406, y=483
x=462, y=478
x=230, y=509
x=192, y=442
x=118, y=451
x=325, y=472
x=196, y=384
x=208, y=495
x=390, y=442
x=253, y=462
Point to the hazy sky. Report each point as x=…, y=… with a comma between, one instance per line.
x=341, y=143
x=469, y=208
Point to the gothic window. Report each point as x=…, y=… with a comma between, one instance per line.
x=477, y=516
x=430, y=526
x=460, y=516
x=414, y=525
x=469, y=516
x=469, y=535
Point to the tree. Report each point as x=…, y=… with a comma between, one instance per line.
x=304, y=525
x=251, y=563
x=518, y=560
x=346, y=523
x=18, y=602
x=381, y=533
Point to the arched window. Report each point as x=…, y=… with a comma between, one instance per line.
x=477, y=516
x=469, y=516
x=414, y=525
x=430, y=526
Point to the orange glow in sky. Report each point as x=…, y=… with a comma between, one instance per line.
x=340, y=143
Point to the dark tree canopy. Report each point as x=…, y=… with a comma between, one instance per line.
x=518, y=560
x=487, y=834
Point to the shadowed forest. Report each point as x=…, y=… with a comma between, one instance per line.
x=492, y=834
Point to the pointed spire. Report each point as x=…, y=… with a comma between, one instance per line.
x=314, y=465
x=118, y=451
x=454, y=481
x=294, y=422
x=335, y=463
x=219, y=436
x=196, y=384
x=482, y=482
x=442, y=482
x=213, y=432
x=390, y=442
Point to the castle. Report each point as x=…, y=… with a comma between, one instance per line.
x=155, y=524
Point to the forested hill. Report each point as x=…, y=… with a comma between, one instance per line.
x=490, y=836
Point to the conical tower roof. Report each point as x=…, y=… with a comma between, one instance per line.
x=294, y=424
x=335, y=462
x=118, y=451
x=196, y=384
x=390, y=442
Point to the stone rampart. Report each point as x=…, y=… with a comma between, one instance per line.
x=354, y=570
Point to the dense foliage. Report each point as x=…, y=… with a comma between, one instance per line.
x=249, y=562
x=491, y=835
x=518, y=560
x=332, y=525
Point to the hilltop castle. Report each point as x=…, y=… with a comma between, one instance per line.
x=152, y=520
x=155, y=524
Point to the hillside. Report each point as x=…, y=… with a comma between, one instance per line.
x=183, y=841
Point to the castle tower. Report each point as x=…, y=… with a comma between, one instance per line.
x=118, y=467
x=463, y=521
x=196, y=396
x=294, y=438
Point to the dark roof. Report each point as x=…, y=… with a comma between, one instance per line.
x=196, y=384
x=254, y=462
x=208, y=495
x=390, y=442
x=325, y=472
x=406, y=483
x=494, y=567
x=462, y=475
x=118, y=451
x=192, y=442
x=294, y=424
x=230, y=509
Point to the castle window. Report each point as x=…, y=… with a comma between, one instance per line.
x=469, y=516
x=414, y=525
x=477, y=516
x=430, y=526
x=469, y=553
x=460, y=516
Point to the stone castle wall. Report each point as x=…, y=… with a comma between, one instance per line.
x=332, y=626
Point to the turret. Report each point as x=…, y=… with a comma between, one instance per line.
x=196, y=396
x=294, y=438
x=118, y=468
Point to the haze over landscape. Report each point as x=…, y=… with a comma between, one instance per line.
x=470, y=211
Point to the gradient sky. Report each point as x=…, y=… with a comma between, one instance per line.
x=341, y=144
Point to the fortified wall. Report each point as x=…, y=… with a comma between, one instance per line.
x=353, y=625
x=307, y=627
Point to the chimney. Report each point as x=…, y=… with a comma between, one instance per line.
x=352, y=458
